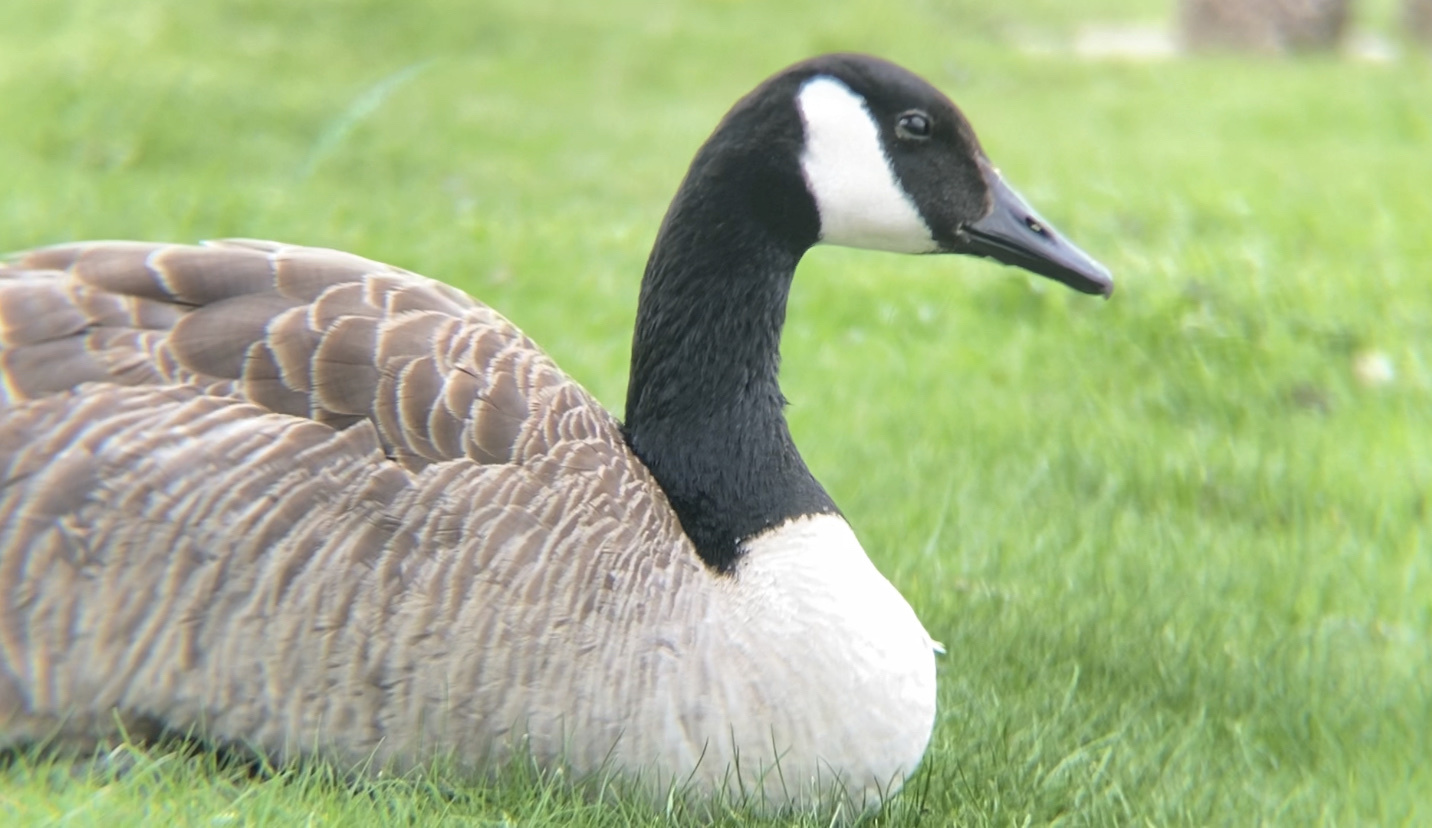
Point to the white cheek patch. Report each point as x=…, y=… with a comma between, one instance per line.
x=861, y=203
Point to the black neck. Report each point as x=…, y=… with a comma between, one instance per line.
x=704, y=409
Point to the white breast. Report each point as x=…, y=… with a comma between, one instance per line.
x=807, y=653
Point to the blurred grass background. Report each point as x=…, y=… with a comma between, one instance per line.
x=1175, y=543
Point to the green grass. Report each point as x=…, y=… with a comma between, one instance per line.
x=1176, y=549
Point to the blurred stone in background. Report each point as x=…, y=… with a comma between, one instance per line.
x=1266, y=26
x=1417, y=18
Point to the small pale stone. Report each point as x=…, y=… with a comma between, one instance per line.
x=1373, y=368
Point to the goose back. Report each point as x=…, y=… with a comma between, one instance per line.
x=266, y=482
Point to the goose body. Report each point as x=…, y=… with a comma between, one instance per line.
x=297, y=500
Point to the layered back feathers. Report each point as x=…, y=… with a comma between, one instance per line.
x=281, y=489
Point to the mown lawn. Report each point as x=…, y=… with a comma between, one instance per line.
x=1176, y=543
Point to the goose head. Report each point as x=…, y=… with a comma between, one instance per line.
x=855, y=151
x=892, y=164
x=842, y=149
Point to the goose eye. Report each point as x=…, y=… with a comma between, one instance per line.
x=913, y=124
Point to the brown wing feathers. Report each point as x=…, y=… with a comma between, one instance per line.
x=185, y=537
x=300, y=331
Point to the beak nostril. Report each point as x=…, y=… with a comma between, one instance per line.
x=1008, y=233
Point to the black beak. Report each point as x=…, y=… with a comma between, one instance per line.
x=1014, y=234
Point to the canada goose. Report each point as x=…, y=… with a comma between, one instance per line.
x=301, y=501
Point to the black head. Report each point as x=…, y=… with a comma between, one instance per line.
x=889, y=163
